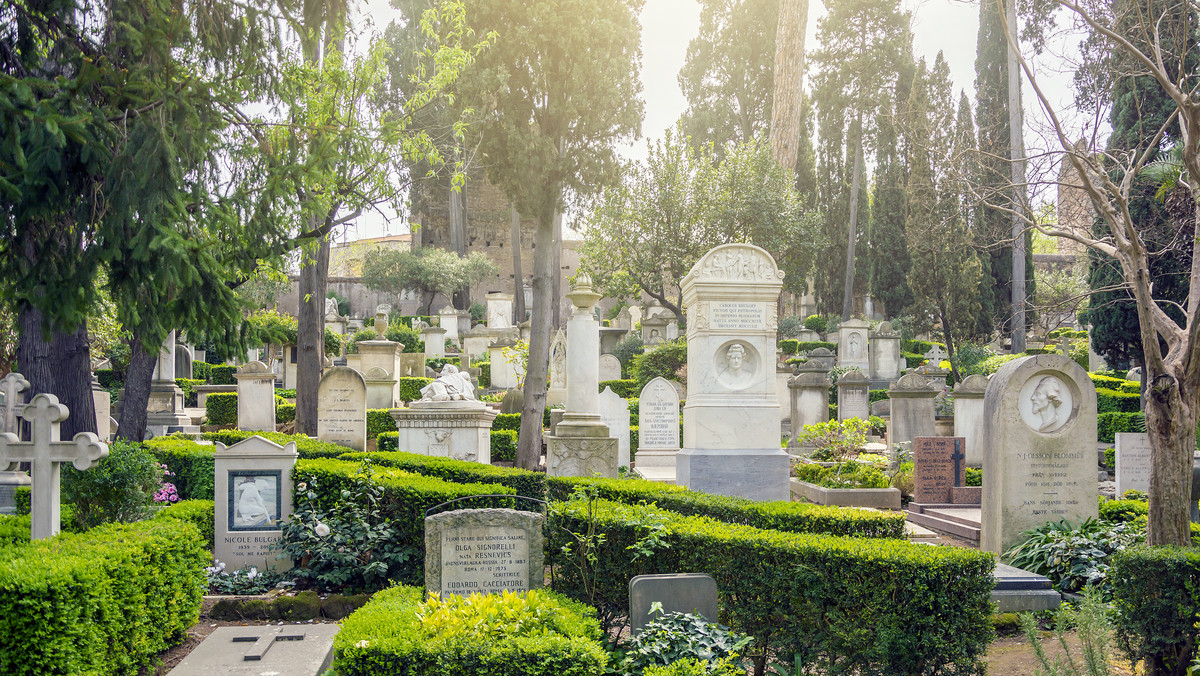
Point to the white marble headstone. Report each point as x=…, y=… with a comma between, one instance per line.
x=1133, y=462
x=614, y=411
x=610, y=367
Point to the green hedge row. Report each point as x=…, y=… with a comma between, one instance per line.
x=912, y=360
x=504, y=445
x=409, y=389
x=189, y=385
x=1119, y=384
x=220, y=408
x=507, y=421
x=107, y=378
x=379, y=420
x=284, y=413
x=1113, y=401
x=102, y=602
x=841, y=605
x=15, y=530
x=485, y=373
x=793, y=346
x=406, y=496
x=1109, y=424
x=222, y=375
x=191, y=463
x=521, y=482
x=199, y=513
x=1156, y=592
x=533, y=634
x=794, y=517
x=202, y=371
x=624, y=388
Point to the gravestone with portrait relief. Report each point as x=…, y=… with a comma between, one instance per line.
x=1039, y=460
x=253, y=497
x=731, y=420
x=853, y=344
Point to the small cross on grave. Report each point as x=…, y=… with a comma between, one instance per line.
x=46, y=453
x=11, y=386
x=263, y=642
x=936, y=356
x=1064, y=345
x=958, y=456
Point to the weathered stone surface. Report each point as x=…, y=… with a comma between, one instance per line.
x=912, y=408
x=935, y=469
x=303, y=650
x=614, y=412
x=809, y=390
x=460, y=430
x=252, y=496
x=694, y=593
x=1039, y=460
x=610, y=368
x=968, y=416
x=256, y=397
x=853, y=345
x=886, y=363
x=582, y=456
x=556, y=393
x=853, y=396
x=1133, y=462
x=342, y=408
x=484, y=550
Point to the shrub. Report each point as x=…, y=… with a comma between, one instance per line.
x=782, y=515
x=533, y=634
x=410, y=388
x=507, y=421
x=403, y=502
x=199, y=513
x=627, y=351
x=285, y=413
x=974, y=476
x=912, y=360
x=990, y=365
x=1112, y=401
x=410, y=339
x=693, y=667
x=816, y=323
x=522, y=482
x=504, y=445
x=622, y=388
x=119, y=488
x=790, y=326
x=191, y=463
x=107, y=378
x=789, y=346
x=359, y=336
x=286, y=394
x=103, y=602
x=485, y=373
x=388, y=441
x=1156, y=593
x=1109, y=424
x=664, y=360
x=1073, y=556
x=379, y=420
x=21, y=496
x=847, y=474
x=223, y=375
x=202, y=371
x=306, y=446
x=188, y=385
x=1123, y=511
x=806, y=346
x=220, y=408
x=829, y=600
x=15, y=530
x=666, y=639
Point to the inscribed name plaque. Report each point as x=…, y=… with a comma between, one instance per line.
x=342, y=408
x=1133, y=462
x=732, y=315
x=253, y=491
x=939, y=464
x=658, y=416
x=485, y=551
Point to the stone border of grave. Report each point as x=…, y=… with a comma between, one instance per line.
x=878, y=498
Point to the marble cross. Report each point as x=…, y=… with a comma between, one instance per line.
x=936, y=356
x=11, y=386
x=46, y=453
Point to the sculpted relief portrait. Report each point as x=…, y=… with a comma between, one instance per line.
x=736, y=367
x=1046, y=403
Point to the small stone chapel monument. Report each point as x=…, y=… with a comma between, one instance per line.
x=731, y=420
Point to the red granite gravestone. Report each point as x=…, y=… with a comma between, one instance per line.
x=938, y=466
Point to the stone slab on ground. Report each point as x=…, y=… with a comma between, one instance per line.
x=232, y=651
x=1020, y=590
x=956, y=520
x=664, y=475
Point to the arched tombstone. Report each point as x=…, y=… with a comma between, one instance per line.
x=1039, y=460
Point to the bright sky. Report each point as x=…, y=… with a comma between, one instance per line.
x=950, y=26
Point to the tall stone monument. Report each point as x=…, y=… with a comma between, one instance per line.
x=447, y=421
x=378, y=364
x=968, y=416
x=164, y=409
x=556, y=394
x=731, y=421
x=448, y=319
x=853, y=344
x=1039, y=462
x=256, y=397
x=499, y=310
x=342, y=408
x=582, y=444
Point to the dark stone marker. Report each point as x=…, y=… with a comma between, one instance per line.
x=694, y=593
x=936, y=469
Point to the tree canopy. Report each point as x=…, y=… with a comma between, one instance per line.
x=427, y=270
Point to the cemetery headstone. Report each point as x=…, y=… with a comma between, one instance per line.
x=435, y=342
x=658, y=424
x=12, y=400
x=183, y=361
x=853, y=345
x=886, y=363
x=256, y=397
x=610, y=368
x=449, y=321
x=614, y=411
x=504, y=374
x=1039, y=460
x=252, y=651
x=809, y=390
x=694, y=593
x=731, y=421
x=342, y=408
x=968, y=416
x=46, y=453
x=447, y=421
x=512, y=401
x=939, y=464
x=486, y=551
x=253, y=497
x=475, y=341
x=1133, y=462
x=853, y=396
x=913, y=409
x=654, y=331
x=499, y=310
x=556, y=394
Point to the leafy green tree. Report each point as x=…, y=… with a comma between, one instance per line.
x=553, y=96
x=427, y=270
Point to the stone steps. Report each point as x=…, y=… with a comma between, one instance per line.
x=956, y=520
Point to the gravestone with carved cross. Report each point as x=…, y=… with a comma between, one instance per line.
x=46, y=453
x=12, y=387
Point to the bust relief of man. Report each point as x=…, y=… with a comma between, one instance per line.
x=736, y=374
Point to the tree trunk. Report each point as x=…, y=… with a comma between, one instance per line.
x=310, y=337
x=855, y=184
x=946, y=336
x=1016, y=128
x=556, y=277
x=518, y=276
x=458, y=238
x=529, y=447
x=138, y=378
x=1171, y=416
x=786, y=120
x=58, y=364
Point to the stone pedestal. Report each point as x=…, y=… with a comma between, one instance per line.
x=291, y=357
x=256, y=397
x=731, y=421
x=968, y=416
x=448, y=320
x=475, y=342
x=610, y=337
x=1039, y=462
x=853, y=344
x=912, y=408
x=435, y=342
x=164, y=408
x=381, y=388
x=582, y=444
x=809, y=390
x=886, y=363
x=504, y=374
x=377, y=363
x=460, y=430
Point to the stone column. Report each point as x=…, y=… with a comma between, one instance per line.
x=912, y=408
x=582, y=444
x=377, y=363
x=809, y=390
x=968, y=416
x=164, y=409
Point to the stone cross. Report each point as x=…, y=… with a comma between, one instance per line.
x=936, y=356
x=11, y=387
x=957, y=456
x=1065, y=346
x=263, y=642
x=46, y=453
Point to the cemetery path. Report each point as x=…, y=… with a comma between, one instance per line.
x=1013, y=656
x=169, y=658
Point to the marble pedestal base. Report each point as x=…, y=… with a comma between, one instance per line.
x=753, y=474
x=447, y=429
x=656, y=458
x=164, y=410
x=582, y=447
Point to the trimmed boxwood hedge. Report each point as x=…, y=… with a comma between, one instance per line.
x=191, y=463
x=504, y=445
x=507, y=421
x=624, y=388
x=406, y=496
x=1156, y=592
x=199, y=513
x=409, y=389
x=223, y=375
x=795, y=517
x=102, y=602
x=220, y=408
x=532, y=634
x=284, y=413
x=379, y=420
x=522, y=482
x=306, y=447
x=1108, y=424
x=869, y=606
x=1119, y=384
x=1114, y=401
